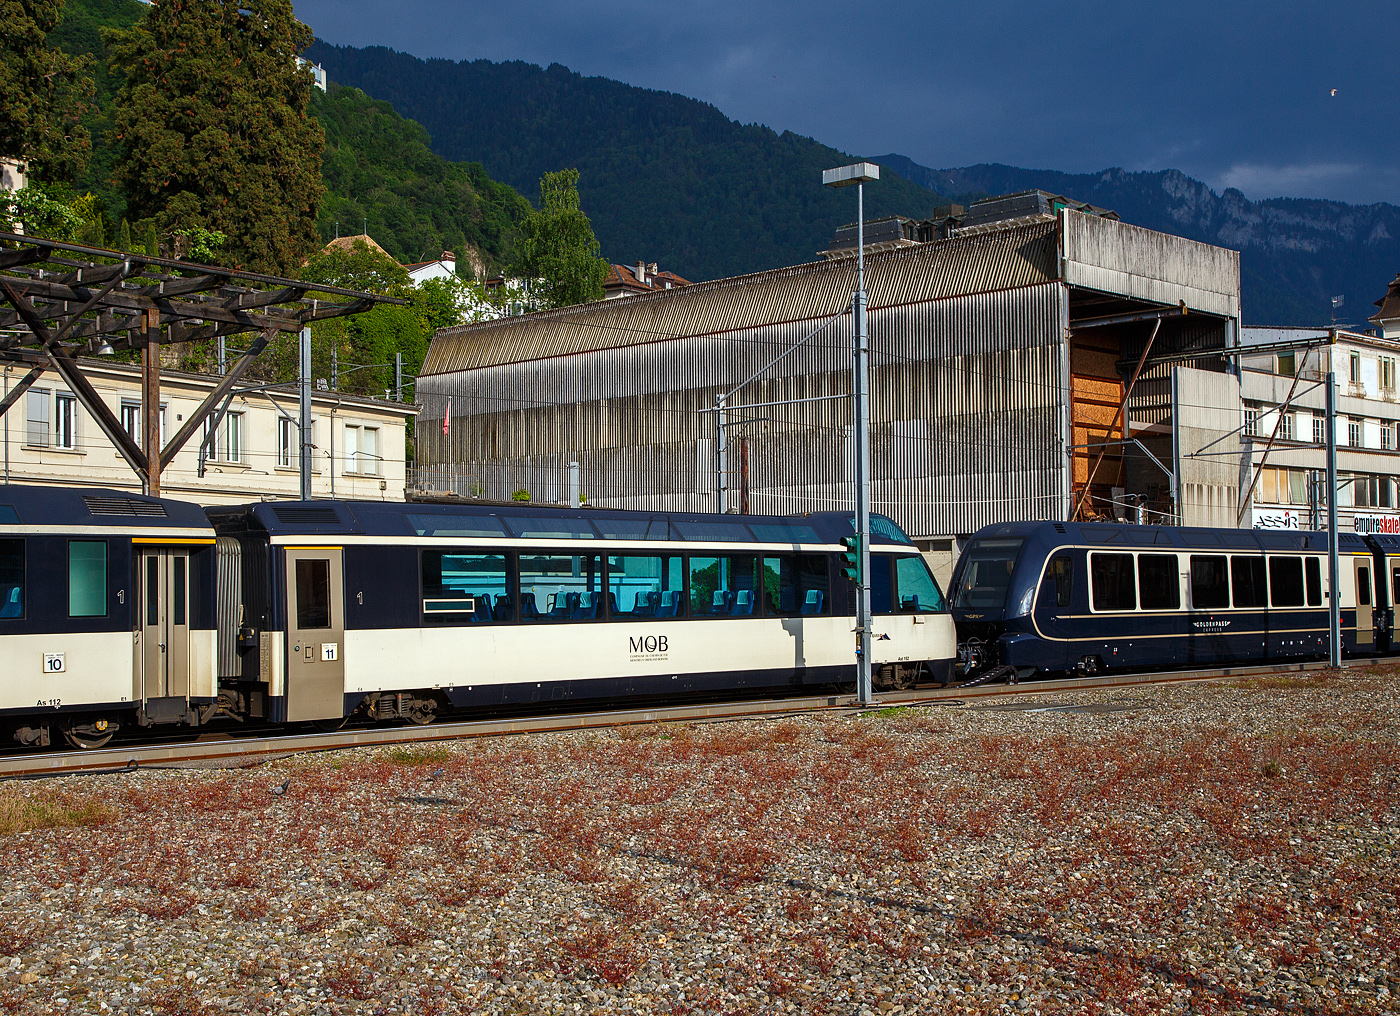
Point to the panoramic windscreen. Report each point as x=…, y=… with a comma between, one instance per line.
x=986, y=574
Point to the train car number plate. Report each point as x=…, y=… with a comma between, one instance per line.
x=54, y=663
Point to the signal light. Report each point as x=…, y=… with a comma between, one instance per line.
x=851, y=569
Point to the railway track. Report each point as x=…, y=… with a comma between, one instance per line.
x=217, y=747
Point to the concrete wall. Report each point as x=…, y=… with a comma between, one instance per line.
x=1210, y=456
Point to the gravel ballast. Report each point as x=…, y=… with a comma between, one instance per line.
x=1221, y=847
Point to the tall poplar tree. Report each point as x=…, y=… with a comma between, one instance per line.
x=557, y=253
x=214, y=132
x=43, y=93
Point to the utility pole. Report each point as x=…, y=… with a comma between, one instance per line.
x=1334, y=606
x=304, y=393
x=721, y=456
x=844, y=177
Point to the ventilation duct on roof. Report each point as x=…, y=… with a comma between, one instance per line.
x=124, y=506
x=306, y=514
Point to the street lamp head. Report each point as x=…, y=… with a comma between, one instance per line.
x=861, y=172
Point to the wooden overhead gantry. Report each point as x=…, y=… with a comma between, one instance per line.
x=61, y=301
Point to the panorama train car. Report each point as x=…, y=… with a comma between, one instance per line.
x=329, y=609
x=1050, y=597
x=106, y=614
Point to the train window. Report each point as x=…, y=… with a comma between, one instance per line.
x=11, y=579
x=561, y=587
x=985, y=574
x=152, y=589
x=1159, y=585
x=1112, y=581
x=1314, y=571
x=313, y=593
x=87, y=578
x=1363, y=587
x=1247, y=579
x=918, y=592
x=797, y=584
x=1394, y=587
x=646, y=586
x=456, y=526
x=466, y=587
x=1286, y=581
x=550, y=527
x=178, y=562
x=1062, y=574
x=632, y=529
x=718, y=532
x=1210, y=582
x=784, y=533
x=723, y=586
x=881, y=586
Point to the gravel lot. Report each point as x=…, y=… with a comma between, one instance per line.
x=1207, y=848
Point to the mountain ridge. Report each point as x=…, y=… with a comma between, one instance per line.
x=1295, y=253
x=664, y=178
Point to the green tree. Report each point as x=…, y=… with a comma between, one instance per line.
x=213, y=128
x=43, y=93
x=557, y=253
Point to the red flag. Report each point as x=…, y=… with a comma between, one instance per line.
x=447, y=418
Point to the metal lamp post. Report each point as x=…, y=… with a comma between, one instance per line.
x=844, y=177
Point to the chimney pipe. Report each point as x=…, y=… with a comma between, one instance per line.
x=641, y=272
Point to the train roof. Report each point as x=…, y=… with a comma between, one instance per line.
x=1184, y=537
x=526, y=521
x=56, y=508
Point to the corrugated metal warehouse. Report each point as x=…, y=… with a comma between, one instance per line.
x=1000, y=361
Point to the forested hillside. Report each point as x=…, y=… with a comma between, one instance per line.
x=1295, y=255
x=378, y=167
x=663, y=177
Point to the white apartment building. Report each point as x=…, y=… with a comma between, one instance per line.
x=359, y=449
x=1288, y=435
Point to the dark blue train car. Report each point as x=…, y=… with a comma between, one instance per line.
x=1051, y=597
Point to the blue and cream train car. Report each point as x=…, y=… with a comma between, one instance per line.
x=406, y=611
x=1060, y=596
x=106, y=613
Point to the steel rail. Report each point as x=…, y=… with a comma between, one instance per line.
x=253, y=751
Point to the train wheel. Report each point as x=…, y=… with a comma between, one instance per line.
x=90, y=734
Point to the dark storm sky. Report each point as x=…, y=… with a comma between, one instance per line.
x=1236, y=94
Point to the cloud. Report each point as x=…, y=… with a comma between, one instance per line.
x=1311, y=179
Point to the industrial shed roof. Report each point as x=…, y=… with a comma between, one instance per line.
x=1004, y=260
x=1085, y=251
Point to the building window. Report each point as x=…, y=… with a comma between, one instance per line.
x=1355, y=368
x=1287, y=364
x=233, y=437
x=361, y=449
x=37, y=408
x=1387, y=435
x=1287, y=430
x=1353, y=432
x=286, y=442
x=1388, y=373
x=1319, y=430
x=133, y=424
x=1251, y=421
x=65, y=421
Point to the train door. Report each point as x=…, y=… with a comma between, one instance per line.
x=162, y=624
x=1392, y=564
x=1365, y=634
x=315, y=634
